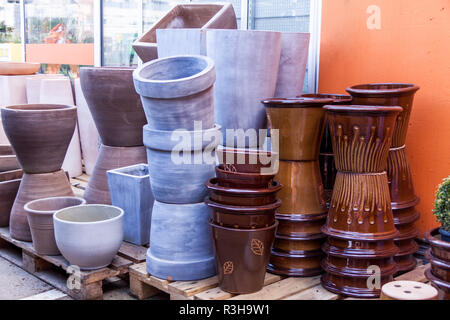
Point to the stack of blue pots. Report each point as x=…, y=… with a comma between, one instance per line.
x=180, y=138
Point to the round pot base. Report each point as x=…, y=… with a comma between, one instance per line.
x=350, y=291
x=294, y=272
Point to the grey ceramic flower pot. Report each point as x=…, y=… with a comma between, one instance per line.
x=181, y=244
x=176, y=91
x=130, y=190
x=179, y=177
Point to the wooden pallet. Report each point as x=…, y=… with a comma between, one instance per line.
x=143, y=285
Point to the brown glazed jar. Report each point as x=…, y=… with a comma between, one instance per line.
x=439, y=256
x=228, y=178
x=247, y=160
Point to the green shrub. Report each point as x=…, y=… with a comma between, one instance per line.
x=442, y=204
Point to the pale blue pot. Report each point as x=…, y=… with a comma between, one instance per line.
x=130, y=190
x=181, y=246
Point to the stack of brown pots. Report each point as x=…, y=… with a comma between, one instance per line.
x=40, y=135
x=403, y=198
x=243, y=202
x=360, y=223
x=326, y=156
x=119, y=118
x=297, y=248
x=10, y=176
x=439, y=257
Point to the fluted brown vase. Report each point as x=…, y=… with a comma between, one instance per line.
x=40, y=135
x=297, y=246
x=439, y=257
x=403, y=198
x=360, y=223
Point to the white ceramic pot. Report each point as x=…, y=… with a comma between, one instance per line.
x=89, y=236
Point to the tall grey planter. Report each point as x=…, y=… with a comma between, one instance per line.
x=130, y=190
x=180, y=242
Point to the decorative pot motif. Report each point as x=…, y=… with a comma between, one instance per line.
x=242, y=256
x=181, y=247
x=114, y=105
x=439, y=256
x=130, y=190
x=9, y=185
x=247, y=68
x=398, y=170
x=110, y=158
x=360, y=223
x=40, y=218
x=176, y=91
x=180, y=177
x=89, y=236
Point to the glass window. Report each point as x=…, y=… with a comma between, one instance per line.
x=9, y=21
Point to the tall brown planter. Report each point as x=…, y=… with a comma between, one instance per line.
x=360, y=223
x=403, y=198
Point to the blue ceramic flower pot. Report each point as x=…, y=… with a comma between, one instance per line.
x=445, y=235
x=130, y=190
x=181, y=244
x=180, y=176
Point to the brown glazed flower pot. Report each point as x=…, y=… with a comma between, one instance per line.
x=114, y=105
x=304, y=264
x=40, y=218
x=39, y=134
x=300, y=123
x=242, y=256
x=243, y=217
x=247, y=160
x=97, y=191
x=439, y=256
x=302, y=191
x=360, y=219
x=243, y=197
x=300, y=225
x=9, y=185
x=32, y=187
x=242, y=180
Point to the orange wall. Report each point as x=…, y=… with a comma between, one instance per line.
x=413, y=45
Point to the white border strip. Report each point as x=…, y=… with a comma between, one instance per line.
x=315, y=23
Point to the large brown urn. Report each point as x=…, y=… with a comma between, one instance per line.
x=119, y=117
x=403, y=198
x=360, y=223
x=439, y=257
x=40, y=135
x=300, y=121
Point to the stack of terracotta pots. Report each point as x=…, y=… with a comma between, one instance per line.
x=40, y=135
x=177, y=94
x=326, y=156
x=297, y=248
x=10, y=176
x=403, y=198
x=118, y=116
x=243, y=202
x=360, y=223
x=439, y=257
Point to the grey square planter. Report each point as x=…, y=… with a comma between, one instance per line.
x=130, y=190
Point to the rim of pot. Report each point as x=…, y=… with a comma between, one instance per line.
x=274, y=225
x=225, y=149
x=337, y=97
x=177, y=87
x=57, y=214
x=213, y=184
x=382, y=88
x=220, y=169
x=138, y=166
x=302, y=237
x=300, y=217
x=107, y=68
x=29, y=205
x=443, y=285
x=353, y=108
x=245, y=209
x=235, y=31
x=39, y=107
x=430, y=237
x=296, y=102
x=161, y=139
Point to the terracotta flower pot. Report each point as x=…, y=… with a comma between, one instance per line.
x=248, y=160
x=181, y=247
x=114, y=104
x=40, y=218
x=243, y=217
x=243, y=197
x=181, y=41
x=32, y=187
x=176, y=91
x=18, y=68
x=294, y=56
x=192, y=15
x=9, y=185
x=89, y=236
x=439, y=257
x=109, y=158
x=33, y=86
x=39, y=134
x=8, y=160
x=234, y=179
x=247, y=68
x=242, y=256
x=442, y=286
x=179, y=177
x=300, y=123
